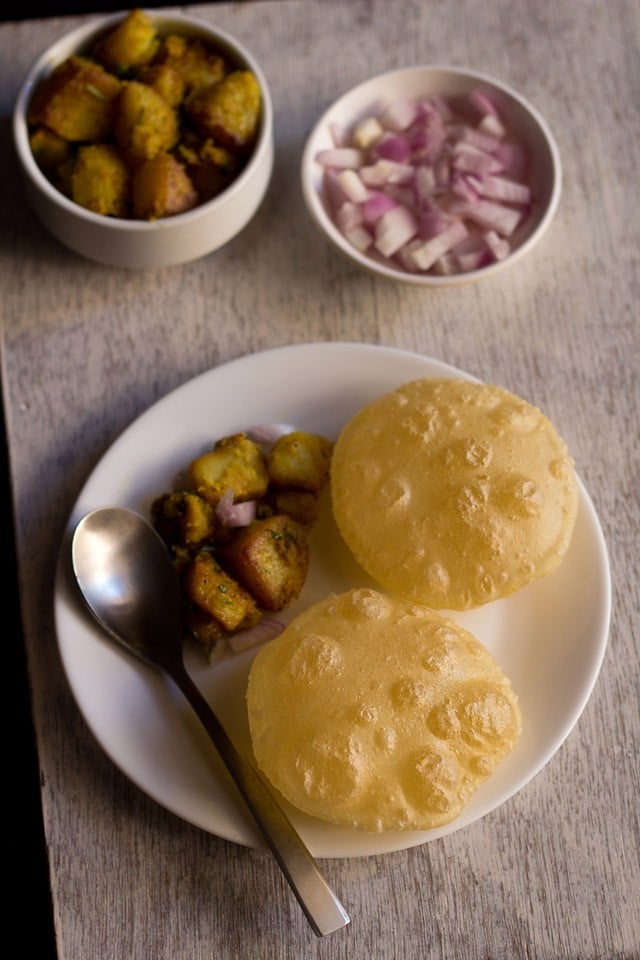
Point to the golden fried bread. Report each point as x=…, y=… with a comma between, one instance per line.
x=377, y=713
x=453, y=493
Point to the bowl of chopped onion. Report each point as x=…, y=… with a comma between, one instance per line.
x=432, y=175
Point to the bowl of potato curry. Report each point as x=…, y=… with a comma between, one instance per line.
x=145, y=140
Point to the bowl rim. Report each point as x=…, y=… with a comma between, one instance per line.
x=322, y=219
x=81, y=34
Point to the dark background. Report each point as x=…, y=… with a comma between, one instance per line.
x=28, y=873
x=32, y=10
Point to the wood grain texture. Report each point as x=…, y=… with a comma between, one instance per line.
x=553, y=874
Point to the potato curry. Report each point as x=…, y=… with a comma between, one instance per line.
x=237, y=530
x=143, y=125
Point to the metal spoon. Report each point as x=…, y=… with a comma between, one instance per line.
x=125, y=575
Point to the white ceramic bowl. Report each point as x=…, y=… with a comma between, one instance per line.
x=134, y=243
x=523, y=123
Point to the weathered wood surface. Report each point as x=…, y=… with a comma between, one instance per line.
x=551, y=874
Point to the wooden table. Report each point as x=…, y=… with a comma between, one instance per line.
x=552, y=873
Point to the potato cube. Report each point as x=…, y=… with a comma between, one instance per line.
x=228, y=111
x=183, y=519
x=100, y=180
x=300, y=460
x=132, y=43
x=144, y=123
x=236, y=463
x=165, y=80
x=205, y=630
x=208, y=586
x=197, y=64
x=161, y=187
x=300, y=505
x=76, y=101
x=50, y=150
x=270, y=558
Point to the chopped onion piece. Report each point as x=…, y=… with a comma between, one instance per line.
x=513, y=158
x=424, y=182
x=493, y=126
x=393, y=146
x=267, y=433
x=491, y=216
x=483, y=103
x=266, y=629
x=341, y=158
x=446, y=265
x=473, y=260
x=349, y=215
x=377, y=204
x=433, y=222
x=338, y=134
x=353, y=186
x=474, y=161
x=427, y=253
x=399, y=115
x=499, y=247
x=232, y=514
x=394, y=228
x=499, y=188
x=359, y=236
x=477, y=138
x=465, y=187
x=367, y=132
x=386, y=171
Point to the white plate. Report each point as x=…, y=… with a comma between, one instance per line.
x=549, y=638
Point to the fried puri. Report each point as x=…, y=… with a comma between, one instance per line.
x=453, y=493
x=376, y=713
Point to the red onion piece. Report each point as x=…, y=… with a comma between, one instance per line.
x=427, y=254
x=394, y=228
x=267, y=433
x=232, y=514
x=491, y=216
x=377, y=204
x=341, y=158
x=353, y=186
x=267, y=629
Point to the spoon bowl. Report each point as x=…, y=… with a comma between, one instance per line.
x=126, y=578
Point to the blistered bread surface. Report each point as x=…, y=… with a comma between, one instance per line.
x=379, y=714
x=453, y=493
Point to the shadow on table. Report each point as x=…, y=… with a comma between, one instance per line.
x=28, y=871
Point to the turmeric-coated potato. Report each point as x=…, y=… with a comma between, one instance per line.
x=236, y=463
x=207, y=585
x=49, y=150
x=161, y=187
x=76, y=101
x=228, y=111
x=270, y=558
x=193, y=60
x=100, y=180
x=165, y=80
x=210, y=167
x=145, y=124
x=300, y=505
x=132, y=43
x=183, y=519
x=205, y=630
x=300, y=460
x=130, y=90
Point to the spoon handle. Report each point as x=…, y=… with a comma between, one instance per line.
x=322, y=908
